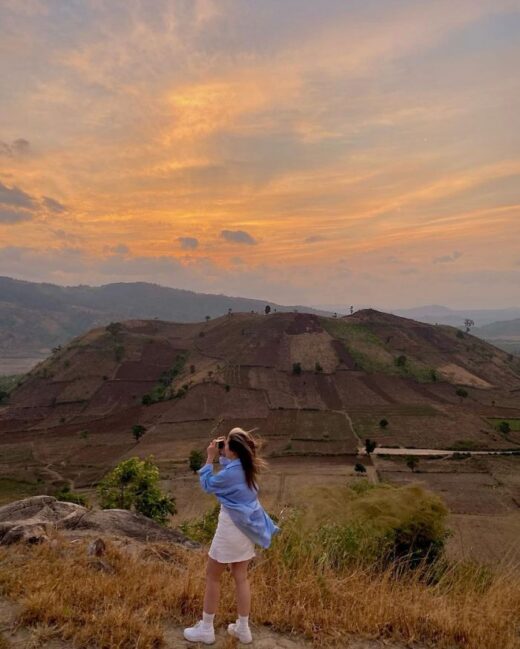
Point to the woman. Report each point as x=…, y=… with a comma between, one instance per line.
x=242, y=522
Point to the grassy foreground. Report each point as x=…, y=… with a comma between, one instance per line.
x=298, y=586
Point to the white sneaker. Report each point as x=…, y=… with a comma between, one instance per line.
x=200, y=633
x=243, y=635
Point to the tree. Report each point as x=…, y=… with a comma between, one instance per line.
x=351, y=310
x=383, y=423
x=114, y=328
x=360, y=468
x=411, y=462
x=504, y=427
x=133, y=485
x=138, y=431
x=196, y=460
x=230, y=312
x=267, y=310
x=207, y=318
x=462, y=393
x=370, y=446
x=468, y=323
x=297, y=368
x=400, y=361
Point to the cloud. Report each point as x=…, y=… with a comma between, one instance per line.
x=53, y=205
x=314, y=238
x=8, y=215
x=120, y=249
x=16, y=197
x=59, y=233
x=238, y=236
x=17, y=147
x=447, y=259
x=188, y=243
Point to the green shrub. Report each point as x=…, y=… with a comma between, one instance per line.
x=373, y=525
x=66, y=495
x=504, y=427
x=202, y=529
x=297, y=368
x=138, y=431
x=196, y=460
x=133, y=485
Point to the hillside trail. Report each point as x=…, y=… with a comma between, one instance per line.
x=12, y=637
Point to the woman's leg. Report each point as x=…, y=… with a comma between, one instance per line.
x=239, y=572
x=214, y=571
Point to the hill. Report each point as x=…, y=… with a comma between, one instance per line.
x=508, y=329
x=34, y=317
x=313, y=385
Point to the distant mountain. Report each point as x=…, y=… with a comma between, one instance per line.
x=36, y=317
x=509, y=329
x=438, y=314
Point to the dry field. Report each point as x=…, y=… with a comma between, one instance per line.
x=483, y=495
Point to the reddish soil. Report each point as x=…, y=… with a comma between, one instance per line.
x=239, y=371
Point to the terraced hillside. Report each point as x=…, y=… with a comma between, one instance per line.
x=313, y=386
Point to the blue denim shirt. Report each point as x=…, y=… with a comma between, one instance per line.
x=230, y=487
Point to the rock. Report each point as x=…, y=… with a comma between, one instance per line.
x=96, y=548
x=30, y=519
x=24, y=533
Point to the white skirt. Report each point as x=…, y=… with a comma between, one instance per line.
x=230, y=544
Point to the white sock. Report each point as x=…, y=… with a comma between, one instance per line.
x=243, y=621
x=207, y=619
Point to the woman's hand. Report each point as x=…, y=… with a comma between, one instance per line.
x=212, y=451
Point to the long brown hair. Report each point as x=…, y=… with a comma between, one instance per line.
x=246, y=447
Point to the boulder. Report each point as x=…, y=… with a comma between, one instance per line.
x=30, y=519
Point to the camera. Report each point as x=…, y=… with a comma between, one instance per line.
x=221, y=442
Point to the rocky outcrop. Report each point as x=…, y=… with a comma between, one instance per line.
x=31, y=519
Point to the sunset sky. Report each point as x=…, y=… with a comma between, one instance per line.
x=299, y=151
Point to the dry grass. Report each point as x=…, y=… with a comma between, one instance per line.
x=61, y=591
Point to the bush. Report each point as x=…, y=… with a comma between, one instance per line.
x=370, y=445
x=317, y=367
x=68, y=496
x=462, y=393
x=196, y=460
x=297, y=368
x=203, y=529
x=373, y=525
x=504, y=427
x=400, y=361
x=138, y=431
x=360, y=468
x=383, y=423
x=133, y=485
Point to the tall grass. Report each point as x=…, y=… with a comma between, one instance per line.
x=301, y=584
